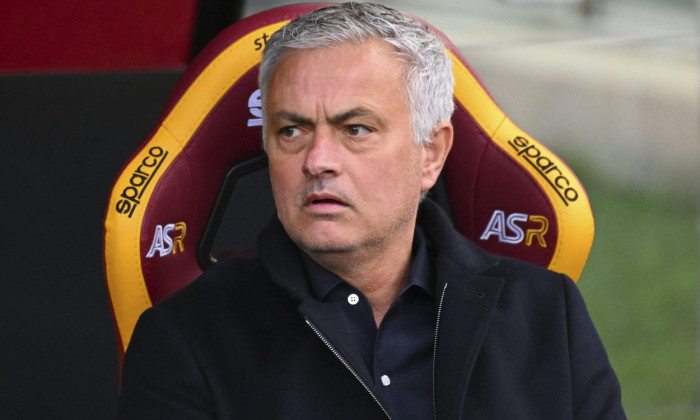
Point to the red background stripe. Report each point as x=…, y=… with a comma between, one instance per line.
x=69, y=35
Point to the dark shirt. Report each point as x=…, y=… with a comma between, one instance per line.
x=399, y=354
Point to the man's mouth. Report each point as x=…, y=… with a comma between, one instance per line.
x=324, y=202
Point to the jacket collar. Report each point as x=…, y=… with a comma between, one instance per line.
x=281, y=256
x=449, y=248
x=450, y=244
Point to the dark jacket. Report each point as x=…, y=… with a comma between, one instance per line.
x=247, y=341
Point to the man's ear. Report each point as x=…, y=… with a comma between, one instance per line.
x=435, y=153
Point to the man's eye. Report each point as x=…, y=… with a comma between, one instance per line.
x=357, y=130
x=290, y=131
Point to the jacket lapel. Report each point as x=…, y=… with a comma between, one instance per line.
x=467, y=299
x=465, y=310
x=329, y=323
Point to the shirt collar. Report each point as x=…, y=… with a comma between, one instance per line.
x=322, y=281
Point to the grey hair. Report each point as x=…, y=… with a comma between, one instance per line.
x=429, y=79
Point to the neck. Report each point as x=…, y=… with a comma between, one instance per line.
x=380, y=274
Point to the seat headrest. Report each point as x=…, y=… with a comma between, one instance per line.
x=505, y=190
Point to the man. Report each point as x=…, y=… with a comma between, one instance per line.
x=365, y=303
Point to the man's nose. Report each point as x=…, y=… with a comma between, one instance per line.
x=323, y=155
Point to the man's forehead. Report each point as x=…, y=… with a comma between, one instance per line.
x=337, y=83
x=370, y=62
x=358, y=46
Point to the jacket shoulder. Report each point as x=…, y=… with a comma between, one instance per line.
x=233, y=285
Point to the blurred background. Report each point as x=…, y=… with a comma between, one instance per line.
x=612, y=86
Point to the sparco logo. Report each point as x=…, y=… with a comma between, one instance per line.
x=508, y=230
x=140, y=178
x=546, y=167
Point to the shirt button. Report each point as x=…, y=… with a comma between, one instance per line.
x=353, y=299
x=386, y=381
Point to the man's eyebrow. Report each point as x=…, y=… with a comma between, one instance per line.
x=334, y=119
x=290, y=116
x=352, y=113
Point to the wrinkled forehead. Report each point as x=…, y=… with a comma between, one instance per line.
x=348, y=69
x=370, y=43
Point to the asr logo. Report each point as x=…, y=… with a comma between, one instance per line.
x=509, y=230
x=168, y=239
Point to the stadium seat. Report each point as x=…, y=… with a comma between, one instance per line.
x=197, y=189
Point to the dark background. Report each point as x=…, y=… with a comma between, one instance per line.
x=82, y=84
x=65, y=138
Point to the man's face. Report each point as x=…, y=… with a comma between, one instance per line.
x=346, y=174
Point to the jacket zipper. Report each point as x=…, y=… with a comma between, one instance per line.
x=347, y=365
x=437, y=325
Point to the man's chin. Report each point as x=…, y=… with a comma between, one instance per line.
x=325, y=242
x=327, y=247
